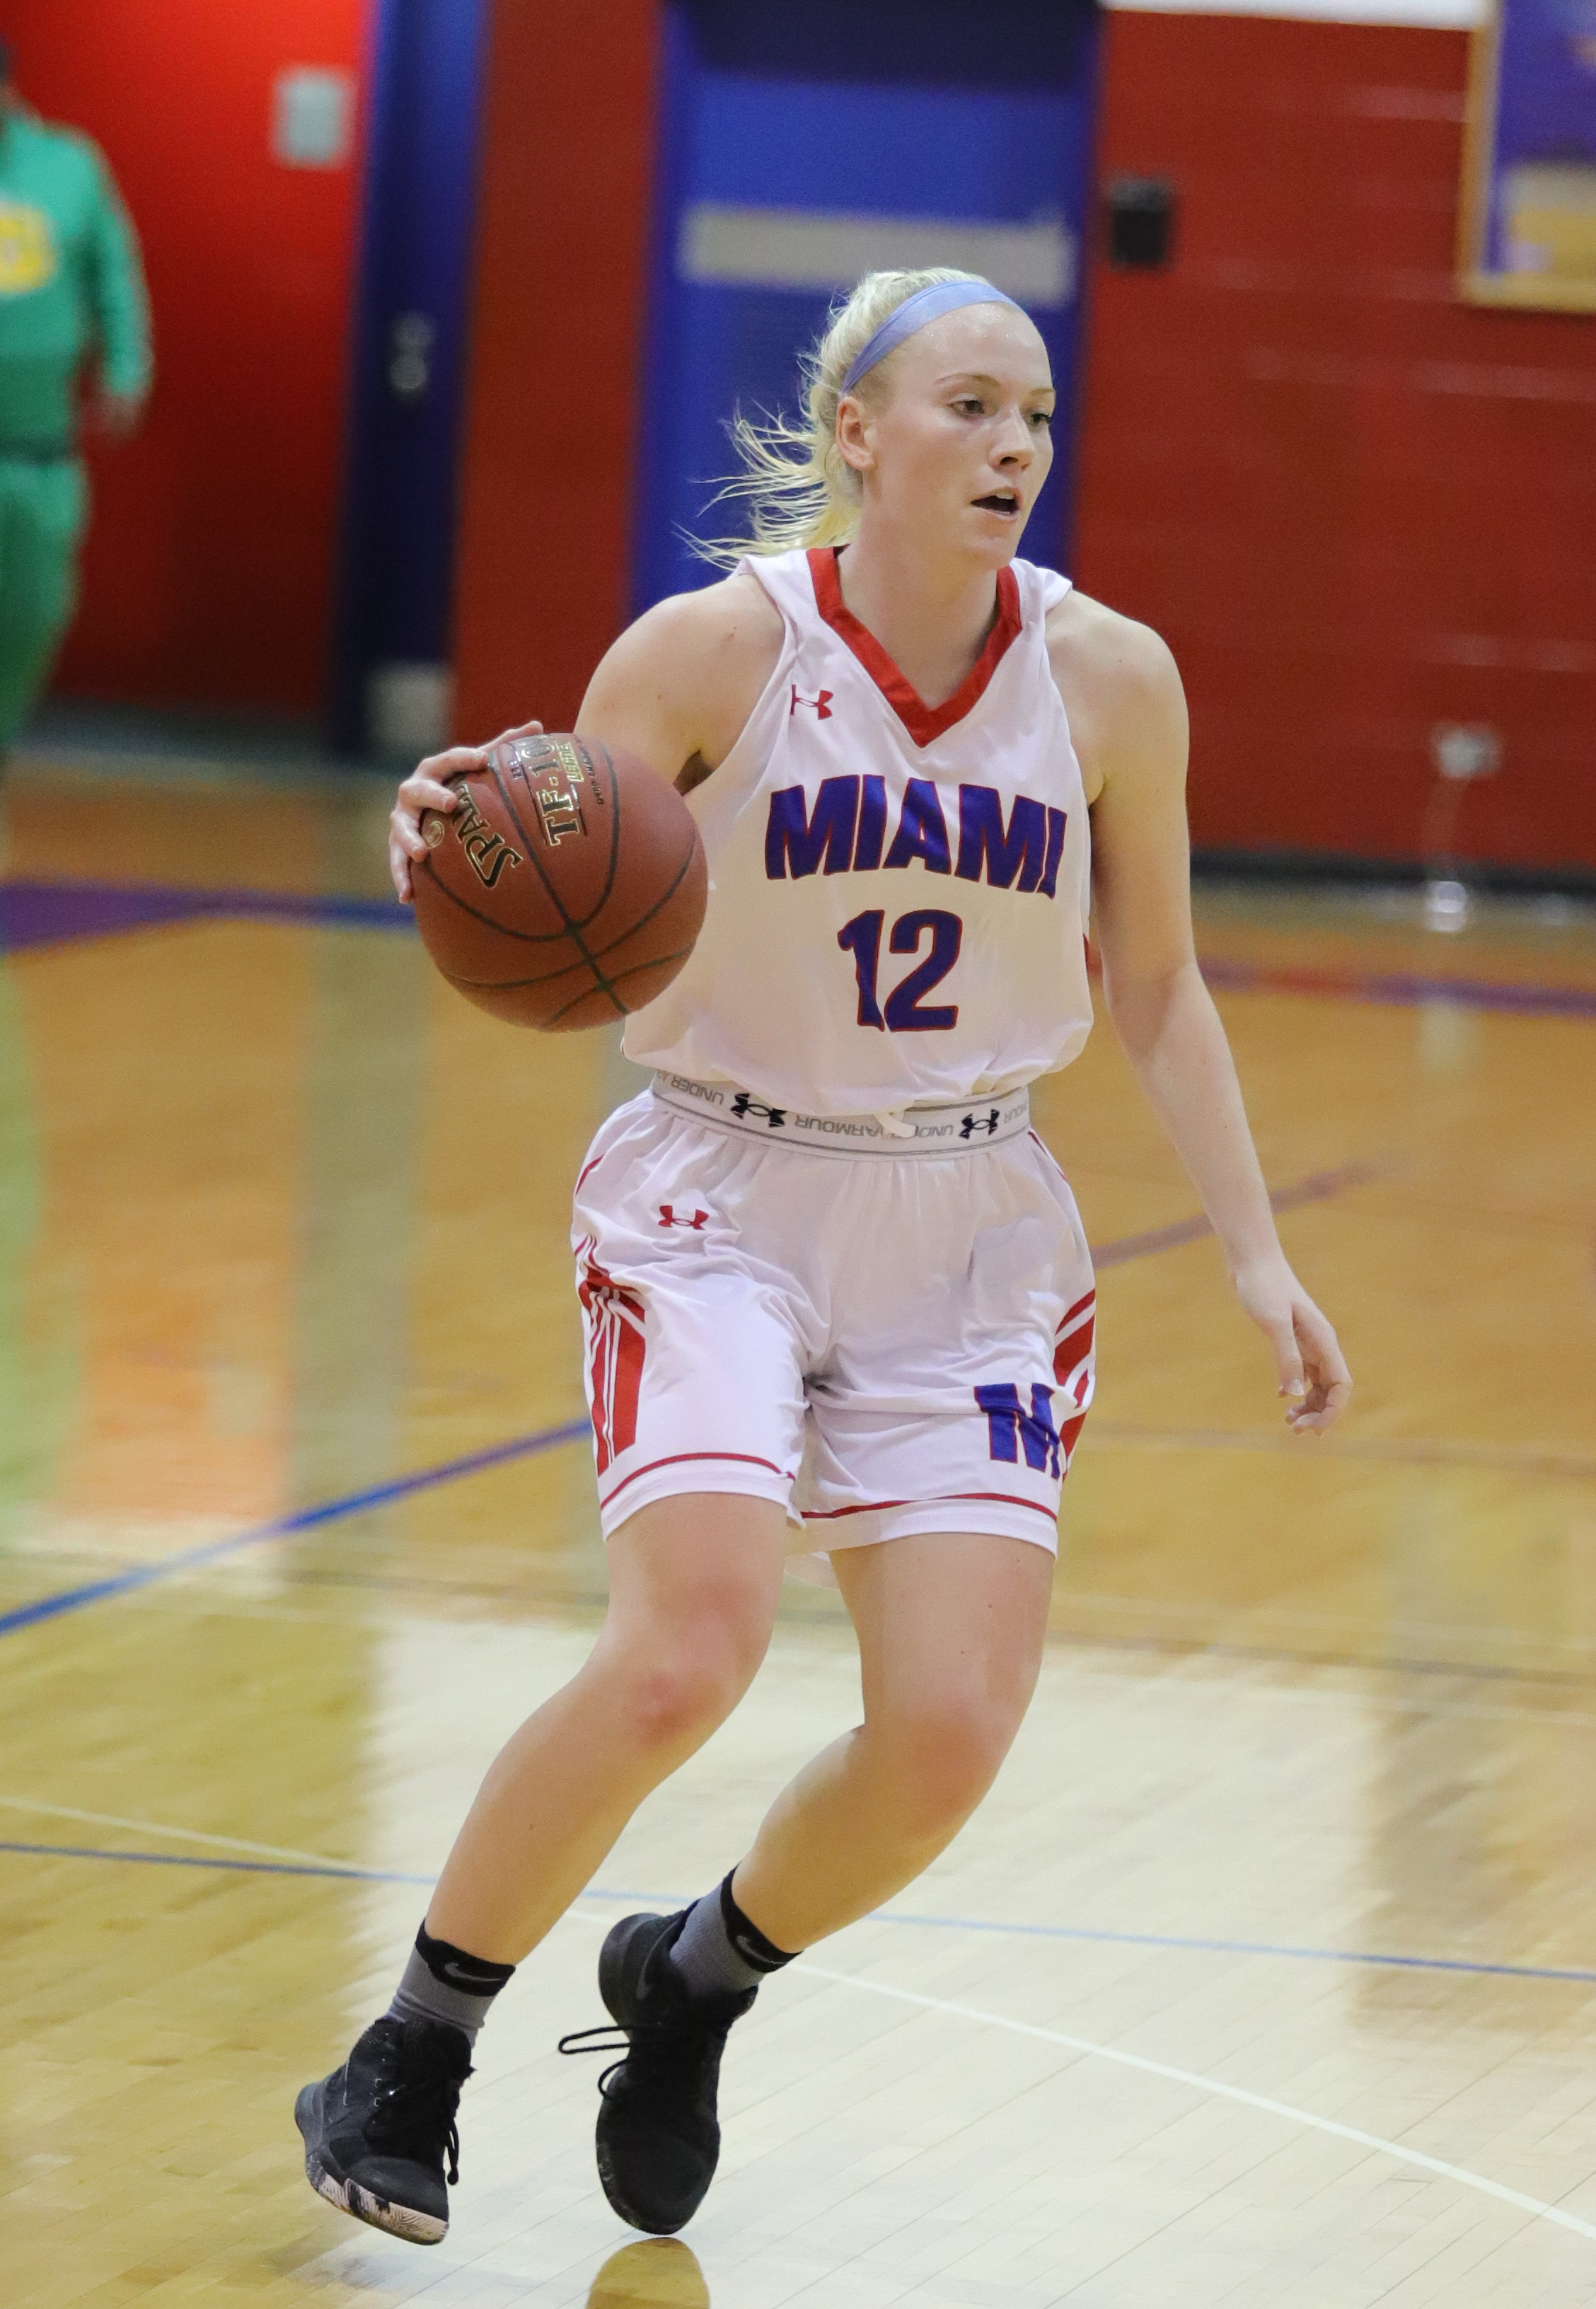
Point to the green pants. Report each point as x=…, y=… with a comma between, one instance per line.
x=44, y=505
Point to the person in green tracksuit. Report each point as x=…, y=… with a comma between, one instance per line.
x=71, y=305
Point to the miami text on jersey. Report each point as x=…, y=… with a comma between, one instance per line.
x=846, y=832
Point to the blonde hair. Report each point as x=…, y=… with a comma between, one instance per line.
x=798, y=487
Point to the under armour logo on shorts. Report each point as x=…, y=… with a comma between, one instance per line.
x=974, y=1122
x=743, y=1105
x=698, y=1221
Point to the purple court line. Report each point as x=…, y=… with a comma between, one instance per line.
x=1318, y=1188
x=1386, y=1451
x=191, y=1559
x=1404, y=988
x=34, y=913
x=351, y=1873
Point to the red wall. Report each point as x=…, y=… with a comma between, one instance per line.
x=1355, y=506
x=209, y=568
x=541, y=582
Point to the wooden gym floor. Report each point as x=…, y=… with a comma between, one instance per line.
x=1267, y=1975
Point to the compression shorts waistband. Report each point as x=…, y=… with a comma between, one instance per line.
x=963, y=1129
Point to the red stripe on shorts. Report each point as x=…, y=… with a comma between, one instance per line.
x=678, y=1458
x=629, y=1349
x=619, y=1344
x=941, y=1499
x=1071, y=1353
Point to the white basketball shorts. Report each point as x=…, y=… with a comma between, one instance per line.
x=884, y=1338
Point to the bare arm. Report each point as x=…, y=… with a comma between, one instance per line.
x=1125, y=701
x=675, y=689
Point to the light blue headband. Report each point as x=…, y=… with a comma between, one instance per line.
x=924, y=305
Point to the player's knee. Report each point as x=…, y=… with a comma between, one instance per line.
x=948, y=1755
x=678, y=1696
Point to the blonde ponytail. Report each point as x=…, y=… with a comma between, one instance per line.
x=797, y=488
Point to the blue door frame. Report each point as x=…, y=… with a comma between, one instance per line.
x=804, y=141
x=408, y=371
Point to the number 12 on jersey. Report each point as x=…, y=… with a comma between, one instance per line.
x=906, y=1012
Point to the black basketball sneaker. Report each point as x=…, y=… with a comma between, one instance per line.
x=658, y=2138
x=376, y=2129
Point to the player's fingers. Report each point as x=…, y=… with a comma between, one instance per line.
x=1330, y=1381
x=419, y=793
x=399, y=868
x=1319, y=1415
x=526, y=730
x=1282, y=1337
x=449, y=764
x=407, y=834
x=1327, y=1399
x=1320, y=1349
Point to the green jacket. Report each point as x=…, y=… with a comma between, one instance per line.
x=71, y=284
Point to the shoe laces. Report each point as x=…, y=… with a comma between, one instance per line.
x=658, y=2052
x=609, y=2038
x=414, y=2102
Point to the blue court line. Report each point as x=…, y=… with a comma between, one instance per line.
x=1315, y=1188
x=193, y=1559
x=239, y=1867
x=1235, y=1948
x=349, y=1872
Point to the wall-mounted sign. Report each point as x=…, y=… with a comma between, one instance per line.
x=313, y=118
x=1528, y=221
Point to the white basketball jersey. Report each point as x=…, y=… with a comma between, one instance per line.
x=898, y=894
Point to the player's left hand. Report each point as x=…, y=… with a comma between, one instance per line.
x=118, y=415
x=1314, y=1376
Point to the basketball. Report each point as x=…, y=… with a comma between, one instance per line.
x=567, y=887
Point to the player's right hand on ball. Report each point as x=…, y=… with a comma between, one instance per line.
x=425, y=789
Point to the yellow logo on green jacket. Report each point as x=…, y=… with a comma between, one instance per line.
x=27, y=250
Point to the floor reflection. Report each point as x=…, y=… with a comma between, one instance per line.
x=282, y=1218
x=659, y=2271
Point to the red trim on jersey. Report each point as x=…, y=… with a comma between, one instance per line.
x=1070, y=1312
x=676, y=1459
x=941, y=1498
x=924, y=722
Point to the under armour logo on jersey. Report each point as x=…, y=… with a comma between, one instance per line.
x=972, y=1123
x=698, y=1220
x=821, y=704
x=743, y=1105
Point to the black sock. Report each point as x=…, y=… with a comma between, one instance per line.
x=721, y=1952
x=444, y=1983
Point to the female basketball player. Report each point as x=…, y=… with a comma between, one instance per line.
x=833, y=1285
